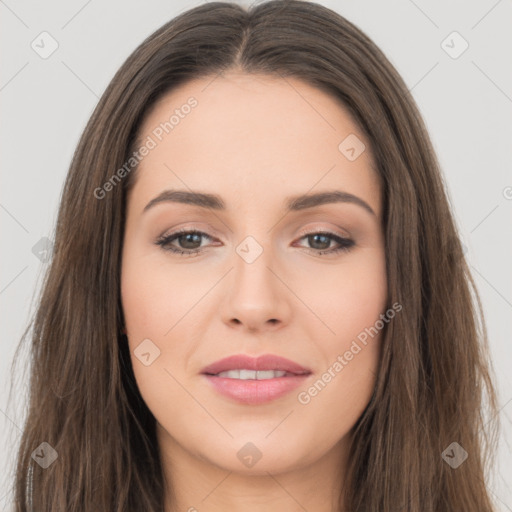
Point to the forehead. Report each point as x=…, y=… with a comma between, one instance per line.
x=255, y=135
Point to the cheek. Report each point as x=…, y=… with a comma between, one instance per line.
x=161, y=304
x=152, y=307
x=349, y=300
x=155, y=297
x=348, y=297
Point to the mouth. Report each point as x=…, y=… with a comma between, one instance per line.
x=253, y=381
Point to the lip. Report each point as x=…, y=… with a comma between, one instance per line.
x=264, y=362
x=251, y=391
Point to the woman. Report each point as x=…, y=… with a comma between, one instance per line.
x=195, y=348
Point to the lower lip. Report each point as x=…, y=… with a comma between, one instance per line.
x=256, y=391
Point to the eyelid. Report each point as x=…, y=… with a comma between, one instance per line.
x=310, y=231
x=207, y=230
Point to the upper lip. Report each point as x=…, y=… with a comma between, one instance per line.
x=264, y=362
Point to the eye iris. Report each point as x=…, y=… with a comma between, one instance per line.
x=187, y=237
x=314, y=237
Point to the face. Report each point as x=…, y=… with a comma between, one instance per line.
x=260, y=274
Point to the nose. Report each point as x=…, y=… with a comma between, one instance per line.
x=256, y=299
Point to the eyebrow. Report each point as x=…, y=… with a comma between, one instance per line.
x=293, y=203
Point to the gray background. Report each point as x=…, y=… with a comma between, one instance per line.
x=466, y=103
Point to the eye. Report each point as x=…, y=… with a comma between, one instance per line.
x=322, y=240
x=190, y=242
x=188, y=238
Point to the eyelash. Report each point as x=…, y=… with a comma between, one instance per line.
x=346, y=244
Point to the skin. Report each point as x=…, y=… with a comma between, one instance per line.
x=254, y=140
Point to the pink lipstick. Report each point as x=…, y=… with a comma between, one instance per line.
x=251, y=380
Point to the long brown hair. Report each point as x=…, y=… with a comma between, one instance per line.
x=434, y=372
